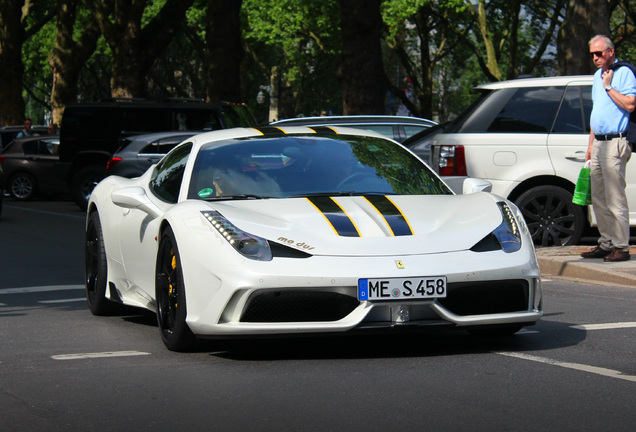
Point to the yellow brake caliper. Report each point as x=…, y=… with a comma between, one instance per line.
x=174, y=266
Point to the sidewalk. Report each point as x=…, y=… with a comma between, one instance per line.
x=566, y=262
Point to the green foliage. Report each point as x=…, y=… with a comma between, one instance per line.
x=302, y=37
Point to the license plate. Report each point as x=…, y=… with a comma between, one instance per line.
x=402, y=288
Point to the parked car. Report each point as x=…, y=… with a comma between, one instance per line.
x=91, y=132
x=138, y=152
x=8, y=133
x=29, y=167
x=528, y=138
x=420, y=143
x=272, y=232
x=397, y=128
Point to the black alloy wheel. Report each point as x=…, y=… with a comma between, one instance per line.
x=96, y=269
x=170, y=296
x=552, y=217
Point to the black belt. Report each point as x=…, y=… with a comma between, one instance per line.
x=610, y=136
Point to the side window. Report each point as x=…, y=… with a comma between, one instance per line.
x=530, y=110
x=163, y=145
x=30, y=147
x=574, y=114
x=167, y=182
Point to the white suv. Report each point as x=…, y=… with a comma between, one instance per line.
x=528, y=137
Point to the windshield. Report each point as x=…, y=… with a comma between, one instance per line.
x=294, y=165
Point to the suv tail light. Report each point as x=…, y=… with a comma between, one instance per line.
x=2, y=158
x=451, y=161
x=112, y=162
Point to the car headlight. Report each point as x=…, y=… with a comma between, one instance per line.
x=508, y=234
x=248, y=245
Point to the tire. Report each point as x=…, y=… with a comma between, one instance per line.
x=84, y=181
x=22, y=186
x=170, y=296
x=552, y=217
x=96, y=269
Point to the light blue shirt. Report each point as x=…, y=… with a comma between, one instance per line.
x=607, y=117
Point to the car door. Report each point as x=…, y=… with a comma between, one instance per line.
x=40, y=157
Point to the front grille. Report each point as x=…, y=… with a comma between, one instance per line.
x=297, y=306
x=468, y=298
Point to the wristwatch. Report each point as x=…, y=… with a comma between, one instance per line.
x=608, y=88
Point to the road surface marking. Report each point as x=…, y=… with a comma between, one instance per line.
x=82, y=356
x=62, y=300
x=576, y=366
x=41, y=289
x=606, y=326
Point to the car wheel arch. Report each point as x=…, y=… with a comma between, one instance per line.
x=544, y=180
x=547, y=227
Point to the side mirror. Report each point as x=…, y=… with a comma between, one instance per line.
x=135, y=198
x=472, y=185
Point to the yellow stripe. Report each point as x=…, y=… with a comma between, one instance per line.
x=323, y=215
x=402, y=213
x=382, y=216
x=345, y=212
x=258, y=131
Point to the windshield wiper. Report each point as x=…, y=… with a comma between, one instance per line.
x=346, y=193
x=237, y=197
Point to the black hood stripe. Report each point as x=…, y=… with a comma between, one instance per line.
x=336, y=216
x=271, y=131
x=394, y=218
x=323, y=130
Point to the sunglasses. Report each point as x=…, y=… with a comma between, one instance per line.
x=598, y=53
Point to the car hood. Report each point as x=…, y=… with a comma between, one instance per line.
x=368, y=226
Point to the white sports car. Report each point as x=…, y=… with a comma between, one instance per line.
x=305, y=230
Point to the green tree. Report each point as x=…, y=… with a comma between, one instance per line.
x=19, y=20
x=294, y=44
x=69, y=55
x=136, y=39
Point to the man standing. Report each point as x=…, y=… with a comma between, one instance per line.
x=614, y=97
x=26, y=132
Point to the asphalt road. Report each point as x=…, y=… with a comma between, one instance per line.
x=63, y=369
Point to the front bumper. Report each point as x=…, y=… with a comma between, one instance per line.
x=493, y=288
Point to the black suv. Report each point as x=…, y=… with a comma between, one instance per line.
x=91, y=133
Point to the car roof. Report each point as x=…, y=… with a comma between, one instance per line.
x=264, y=132
x=158, y=135
x=539, y=82
x=355, y=119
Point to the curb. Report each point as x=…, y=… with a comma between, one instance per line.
x=567, y=263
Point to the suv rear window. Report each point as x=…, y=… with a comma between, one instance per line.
x=529, y=110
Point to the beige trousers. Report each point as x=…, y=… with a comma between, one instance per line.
x=609, y=159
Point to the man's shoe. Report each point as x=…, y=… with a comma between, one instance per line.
x=597, y=252
x=617, y=255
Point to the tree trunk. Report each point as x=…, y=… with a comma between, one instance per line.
x=224, y=52
x=68, y=57
x=134, y=47
x=584, y=19
x=12, y=35
x=361, y=73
